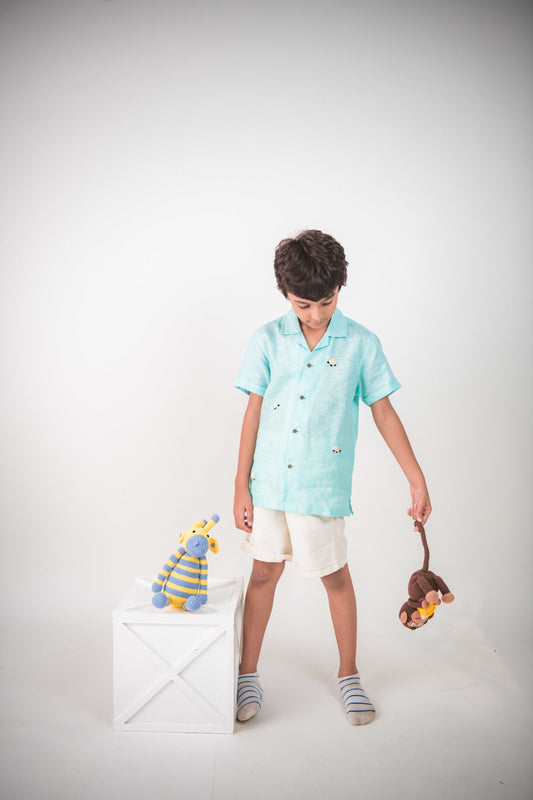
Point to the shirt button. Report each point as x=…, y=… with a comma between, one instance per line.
x=302, y=397
x=290, y=466
x=309, y=365
x=295, y=430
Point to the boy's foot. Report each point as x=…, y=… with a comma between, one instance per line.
x=359, y=709
x=249, y=696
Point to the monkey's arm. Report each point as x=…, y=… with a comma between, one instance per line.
x=426, y=587
x=447, y=596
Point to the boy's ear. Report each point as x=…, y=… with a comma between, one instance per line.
x=213, y=545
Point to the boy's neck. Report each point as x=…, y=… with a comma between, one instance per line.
x=311, y=335
x=314, y=316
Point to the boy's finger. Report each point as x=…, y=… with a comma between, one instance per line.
x=249, y=516
x=238, y=516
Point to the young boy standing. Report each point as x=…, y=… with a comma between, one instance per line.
x=305, y=374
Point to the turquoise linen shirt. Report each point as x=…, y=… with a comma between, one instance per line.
x=305, y=449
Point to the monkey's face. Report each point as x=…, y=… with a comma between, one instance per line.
x=417, y=620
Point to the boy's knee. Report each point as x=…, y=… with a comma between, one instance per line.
x=338, y=579
x=267, y=571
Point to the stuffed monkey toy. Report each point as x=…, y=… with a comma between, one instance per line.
x=424, y=587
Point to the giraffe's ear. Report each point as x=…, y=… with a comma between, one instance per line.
x=213, y=545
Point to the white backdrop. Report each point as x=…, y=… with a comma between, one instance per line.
x=153, y=155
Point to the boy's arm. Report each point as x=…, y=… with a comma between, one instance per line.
x=243, y=511
x=389, y=425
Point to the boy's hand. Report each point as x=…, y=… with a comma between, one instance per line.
x=420, y=504
x=243, y=510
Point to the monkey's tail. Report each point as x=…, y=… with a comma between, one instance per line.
x=420, y=527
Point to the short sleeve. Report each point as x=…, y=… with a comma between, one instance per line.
x=377, y=378
x=254, y=374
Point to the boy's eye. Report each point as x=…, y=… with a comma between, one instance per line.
x=327, y=303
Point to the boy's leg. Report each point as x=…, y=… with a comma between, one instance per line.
x=257, y=608
x=343, y=608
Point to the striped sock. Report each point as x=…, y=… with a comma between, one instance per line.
x=249, y=696
x=359, y=709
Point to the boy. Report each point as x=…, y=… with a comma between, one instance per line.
x=304, y=374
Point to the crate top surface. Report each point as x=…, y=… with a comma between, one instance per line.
x=223, y=595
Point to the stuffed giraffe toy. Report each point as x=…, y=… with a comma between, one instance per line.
x=182, y=581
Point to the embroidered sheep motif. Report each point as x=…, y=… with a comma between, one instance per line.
x=276, y=406
x=336, y=449
x=252, y=476
x=332, y=362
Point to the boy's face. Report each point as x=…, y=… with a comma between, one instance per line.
x=314, y=315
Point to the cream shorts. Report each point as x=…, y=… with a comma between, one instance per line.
x=318, y=544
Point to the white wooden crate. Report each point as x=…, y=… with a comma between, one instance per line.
x=176, y=670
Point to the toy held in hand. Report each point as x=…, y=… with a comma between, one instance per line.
x=424, y=587
x=182, y=581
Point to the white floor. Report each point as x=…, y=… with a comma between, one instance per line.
x=453, y=721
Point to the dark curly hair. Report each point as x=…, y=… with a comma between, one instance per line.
x=311, y=266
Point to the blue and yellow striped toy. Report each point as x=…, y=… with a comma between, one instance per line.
x=182, y=581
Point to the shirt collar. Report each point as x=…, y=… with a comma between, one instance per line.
x=290, y=324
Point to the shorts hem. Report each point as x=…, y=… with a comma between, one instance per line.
x=321, y=573
x=268, y=557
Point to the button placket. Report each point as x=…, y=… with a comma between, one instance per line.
x=293, y=443
x=303, y=392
